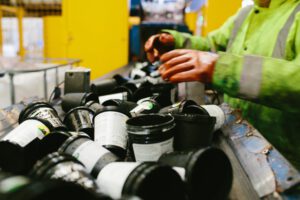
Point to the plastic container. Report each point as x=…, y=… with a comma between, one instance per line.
x=94, y=106
x=147, y=180
x=91, y=154
x=64, y=167
x=22, y=188
x=19, y=148
x=145, y=106
x=119, y=96
x=193, y=131
x=218, y=113
x=43, y=111
x=150, y=136
x=80, y=120
x=73, y=100
x=125, y=106
x=126, y=197
x=110, y=129
x=207, y=172
x=104, y=87
x=164, y=90
x=178, y=108
x=128, y=88
x=52, y=142
x=142, y=92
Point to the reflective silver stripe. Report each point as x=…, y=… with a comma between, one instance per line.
x=279, y=50
x=242, y=15
x=187, y=43
x=251, y=77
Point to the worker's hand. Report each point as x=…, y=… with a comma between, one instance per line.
x=158, y=45
x=188, y=65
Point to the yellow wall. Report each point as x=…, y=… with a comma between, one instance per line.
x=54, y=37
x=191, y=20
x=217, y=11
x=95, y=31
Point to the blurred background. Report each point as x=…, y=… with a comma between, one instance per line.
x=104, y=35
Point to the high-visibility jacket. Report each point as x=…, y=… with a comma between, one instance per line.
x=259, y=69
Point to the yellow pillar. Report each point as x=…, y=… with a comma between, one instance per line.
x=1, y=34
x=55, y=43
x=20, y=15
x=216, y=12
x=191, y=20
x=97, y=33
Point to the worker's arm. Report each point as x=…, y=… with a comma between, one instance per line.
x=215, y=41
x=268, y=81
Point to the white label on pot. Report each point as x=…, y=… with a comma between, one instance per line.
x=120, y=96
x=146, y=105
x=26, y=132
x=89, y=153
x=47, y=114
x=152, y=152
x=10, y=184
x=180, y=171
x=113, y=176
x=110, y=129
x=217, y=112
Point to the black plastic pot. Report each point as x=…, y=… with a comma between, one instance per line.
x=73, y=100
x=126, y=197
x=195, y=109
x=178, y=108
x=164, y=93
x=23, y=188
x=142, y=92
x=80, y=120
x=124, y=106
x=193, y=131
x=43, y=111
x=145, y=106
x=217, y=112
x=128, y=88
x=19, y=148
x=110, y=129
x=94, y=106
x=120, y=79
x=104, y=87
x=64, y=167
x=52, y=142
x=150, y=136
x=207, y=172
x=147, y=180
x=90, y=153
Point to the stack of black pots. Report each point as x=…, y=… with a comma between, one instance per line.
x=122, y=140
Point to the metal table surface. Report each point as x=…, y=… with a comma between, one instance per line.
x=17, y=65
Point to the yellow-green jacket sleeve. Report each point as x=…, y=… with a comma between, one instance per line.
x=215, y=41
x=265, y=80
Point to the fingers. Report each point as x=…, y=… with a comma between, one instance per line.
x=149, y=45
x=166, y=39
x=173, y=62
x=177, y=69
x=187, y=76
x=151, y=57
x=172, y=54
x=176, y=61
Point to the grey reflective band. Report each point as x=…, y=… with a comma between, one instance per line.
x=279, y=50
x=187, y=44
x=251, y=77
x=242, y=15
